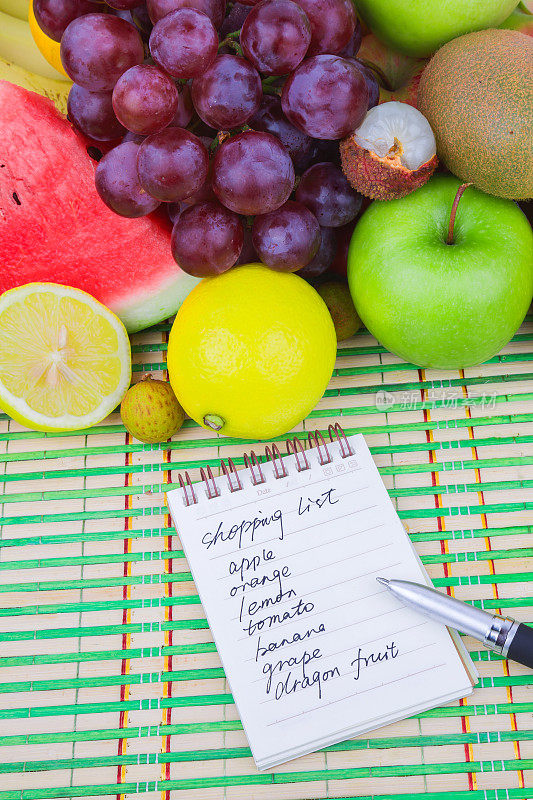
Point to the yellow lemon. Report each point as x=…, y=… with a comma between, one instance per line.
x=65, y=359
x=251, y=352
x=48, y=47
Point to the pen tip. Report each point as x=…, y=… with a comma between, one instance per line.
x=384, y=581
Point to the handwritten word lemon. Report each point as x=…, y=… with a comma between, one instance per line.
x=65, y=359
x=251, y=352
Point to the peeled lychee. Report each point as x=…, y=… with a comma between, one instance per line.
x=340, y=305
x=392, y=152
x=151, y=412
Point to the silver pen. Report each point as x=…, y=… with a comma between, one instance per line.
x=504, y=635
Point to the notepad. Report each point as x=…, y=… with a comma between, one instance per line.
x=315, y=650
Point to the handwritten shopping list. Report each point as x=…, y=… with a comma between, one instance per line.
x=314, y=648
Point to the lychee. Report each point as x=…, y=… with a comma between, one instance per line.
x=391, y=153
x=151, y=412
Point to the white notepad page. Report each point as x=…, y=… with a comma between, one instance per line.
x=314, y=648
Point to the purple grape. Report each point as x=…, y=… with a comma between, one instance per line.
x=172, y=164
x=133, y=137
x=123, y=5
x=207, y=239
x=184, y=110
x=92, y=113
x=228, y=93
x=325, y=190
x=320, y=150
x=275, y=36
x=352, y=48
x=204, y=193
x=203, y=130
x=174, y=210
x=235, y=19
x=288, y=238
x=53, y=16
x=122, y=13
x=332, y=24
x=372, y=84
x=215, y=9
x=344, y=238
x=327, y=150
x=117, y=182
x=206, y=140
x=324, y=257
x=248, y=253
x=97, y=48
x=326, y=97
x=271, y=119
x=252, y=173
x=145, y=99
x=184, y=43
x=141, y=18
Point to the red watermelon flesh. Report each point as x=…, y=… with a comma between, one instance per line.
x=54, y=227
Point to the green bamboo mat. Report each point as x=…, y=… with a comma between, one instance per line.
x=110, y=683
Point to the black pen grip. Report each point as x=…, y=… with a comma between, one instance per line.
x=521, y=648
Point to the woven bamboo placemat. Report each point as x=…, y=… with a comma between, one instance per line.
x=110, y=682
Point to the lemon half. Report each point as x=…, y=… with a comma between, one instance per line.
x=65, y=359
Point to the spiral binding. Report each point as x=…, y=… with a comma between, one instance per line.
x=273, y=454
x=232, y=475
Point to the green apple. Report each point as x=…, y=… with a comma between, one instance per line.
x=419, y=27
x=437, y=304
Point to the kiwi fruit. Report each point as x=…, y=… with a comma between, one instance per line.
x=477, y=94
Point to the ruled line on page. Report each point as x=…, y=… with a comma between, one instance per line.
x=346, y=649
x=342, y=627
x=314, y=547
x=293, y=488
x=348, y=696
x=352, y=671
x=293, y=533
x=263, y=586
x=334, y=608
x=366, y=619
x=342, y=560
x=319, y=611
x=329, y=586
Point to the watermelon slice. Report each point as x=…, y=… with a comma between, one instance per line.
x=54, y=227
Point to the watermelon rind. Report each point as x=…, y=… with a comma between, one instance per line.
x=150, y=309
x=54, y=227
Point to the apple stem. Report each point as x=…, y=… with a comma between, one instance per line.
x=453, y=212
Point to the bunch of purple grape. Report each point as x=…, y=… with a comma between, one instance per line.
x=230, y=116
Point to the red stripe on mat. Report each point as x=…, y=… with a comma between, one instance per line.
x=469, y=756
x=488, y=545
x=124, y=666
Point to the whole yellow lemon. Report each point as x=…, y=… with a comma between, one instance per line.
x=251, y=352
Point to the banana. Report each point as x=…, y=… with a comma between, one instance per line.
x=18, y=47
x=56, y=91
x=15, y=8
